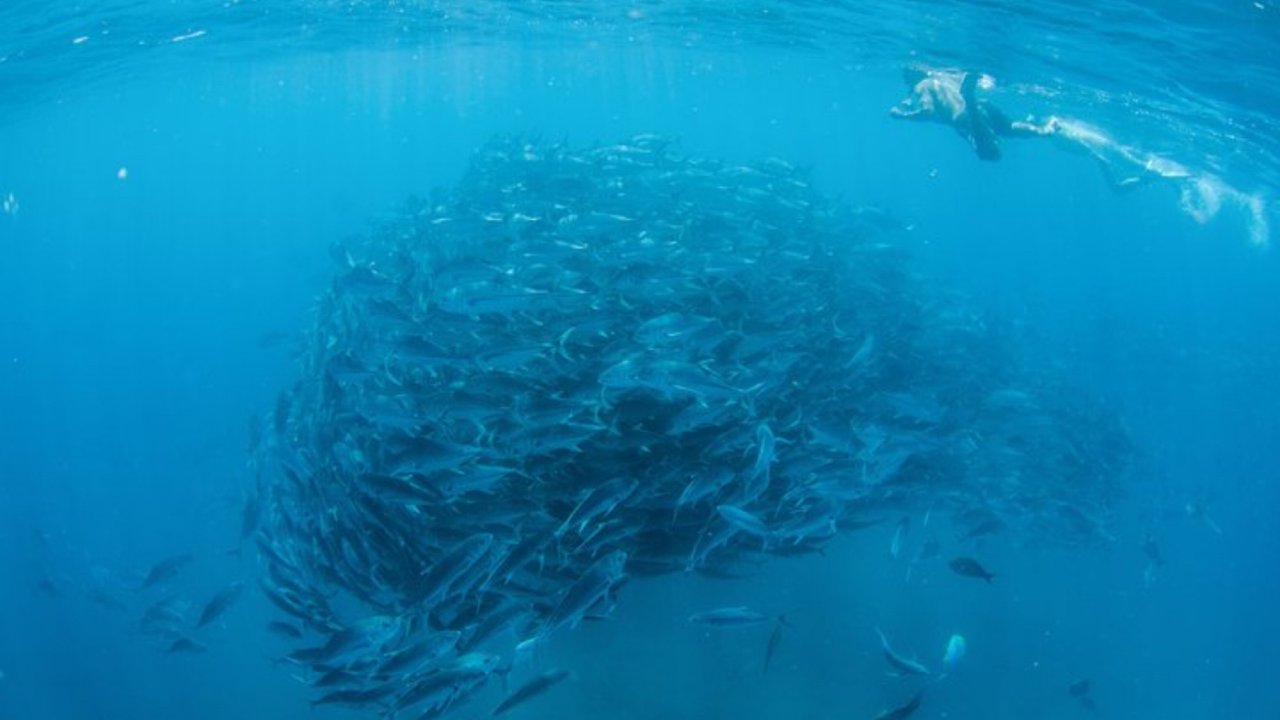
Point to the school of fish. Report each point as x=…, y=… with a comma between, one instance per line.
x=579, y=367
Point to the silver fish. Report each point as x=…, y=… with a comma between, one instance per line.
x=903, y=665
x=729, y=617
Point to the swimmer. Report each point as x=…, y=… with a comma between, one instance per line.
x=954, y=98
x=951, y=97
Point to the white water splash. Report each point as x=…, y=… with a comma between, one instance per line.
x=1204, y=196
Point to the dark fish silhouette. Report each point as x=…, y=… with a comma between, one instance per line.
x=532, y=689
x=166, y=569
x=775, y=639
x=969, y=567
x=165, y=618
x=1151, y=548
x=1082, y=691
x=903, y=711
x=930, y=550
x=185, y=645
x=284, y=629
x=986, y=527
x=356, y=697
x=48, y=587
x=220, y=603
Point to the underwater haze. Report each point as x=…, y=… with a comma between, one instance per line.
x=691, y=359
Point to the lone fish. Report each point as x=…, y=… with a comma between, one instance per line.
x=532, y=689
x=904, y=665
x=969, y=567
x=903, y=711
x=220, y=604
x=955, y=652
x=729, y=617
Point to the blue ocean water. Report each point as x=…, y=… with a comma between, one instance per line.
x=176, y=176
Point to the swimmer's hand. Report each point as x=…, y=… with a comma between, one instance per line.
x=905, y=110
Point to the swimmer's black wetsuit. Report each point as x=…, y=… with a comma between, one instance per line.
x=986, y=123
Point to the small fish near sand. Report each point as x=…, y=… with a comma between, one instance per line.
x=968, y=567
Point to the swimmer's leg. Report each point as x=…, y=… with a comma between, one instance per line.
x=985, y=144
x=982, y=134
